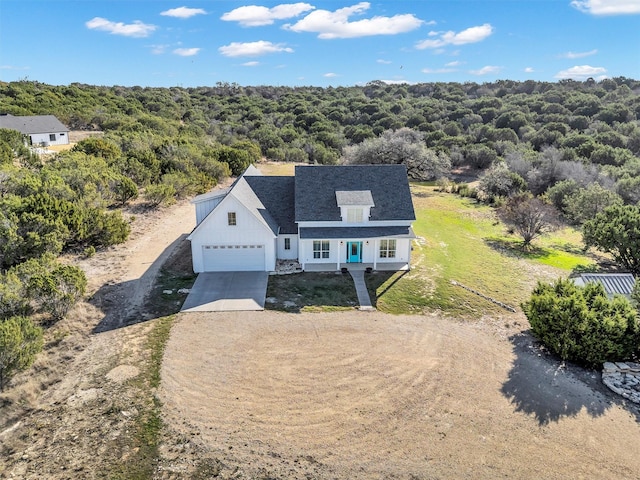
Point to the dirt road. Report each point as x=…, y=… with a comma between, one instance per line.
x=373, y=396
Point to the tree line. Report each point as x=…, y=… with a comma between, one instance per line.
x=571, y=145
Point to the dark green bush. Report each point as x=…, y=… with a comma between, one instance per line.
x=582, y=324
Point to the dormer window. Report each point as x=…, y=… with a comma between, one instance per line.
x=355, y=205
x=354, y=215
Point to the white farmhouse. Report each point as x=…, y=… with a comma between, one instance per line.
x=325, y=217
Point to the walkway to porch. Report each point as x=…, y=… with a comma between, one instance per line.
x=357, y=272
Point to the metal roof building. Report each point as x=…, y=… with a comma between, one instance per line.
x=613, y=283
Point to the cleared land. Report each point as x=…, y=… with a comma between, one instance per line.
x=372, y=396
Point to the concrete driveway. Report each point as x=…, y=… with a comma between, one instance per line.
x=227, y=292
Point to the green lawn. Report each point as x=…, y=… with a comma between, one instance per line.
x=462, y=241
x=321, y=291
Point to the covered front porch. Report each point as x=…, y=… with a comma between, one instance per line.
x=333, y=267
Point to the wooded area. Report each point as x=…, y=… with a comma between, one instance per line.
x=576, y=145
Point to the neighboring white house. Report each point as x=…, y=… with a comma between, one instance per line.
x=325, y=217
x=41, y=130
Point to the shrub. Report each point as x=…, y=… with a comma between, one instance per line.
x=57, y=290
x=20, y=342
x=159, y=194
x=582, y=324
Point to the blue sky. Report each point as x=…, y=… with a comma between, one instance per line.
x=322, y=43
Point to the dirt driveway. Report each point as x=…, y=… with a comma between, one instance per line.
x=365, y=395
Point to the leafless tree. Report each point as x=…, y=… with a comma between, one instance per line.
x=529, y=216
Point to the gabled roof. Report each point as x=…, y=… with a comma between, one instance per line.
x=245, y=194
x=32, y=124
x=316, y=187
x=314, y=194
x=613, y=283
x=276, y=194
x=269, y=199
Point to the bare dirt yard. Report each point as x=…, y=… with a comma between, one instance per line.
x=372, y=396
x=266, y=395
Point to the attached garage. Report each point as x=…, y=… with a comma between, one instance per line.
x=233, y=258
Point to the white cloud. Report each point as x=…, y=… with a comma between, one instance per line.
x=455, y=63
x=607, y=7
x=582, y=72
x=13, y=67
x=578, y=54
x=329, y=25
x=183, y=12
x=384, y=62
x=330, y=75
x=136, y=29
x=158, y=49
x=470, y=35
x=253, y=49
x=486, y=70
x=255, y=16
x=529, y=70
x=251, y=64
x=186, y=52
x=438, y=70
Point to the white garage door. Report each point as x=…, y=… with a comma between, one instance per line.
x=230, y=258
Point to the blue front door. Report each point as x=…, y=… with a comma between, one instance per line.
x=354, y=252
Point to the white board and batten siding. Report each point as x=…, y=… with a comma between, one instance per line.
x=247, y=246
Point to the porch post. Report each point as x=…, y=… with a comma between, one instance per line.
x=339, y=249
x=375, y=253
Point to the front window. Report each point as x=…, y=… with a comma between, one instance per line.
x=231, y=218
x=387, y=249
x=52, y=137
x=354, y=215
x=321, y=249
x=287, y=244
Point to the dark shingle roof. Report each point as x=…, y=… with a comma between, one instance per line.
x=316, y=187
x=356, y=232
x=32, y=124
x=277, y=196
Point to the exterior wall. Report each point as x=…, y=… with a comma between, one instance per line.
x=216, y=231
x=62, y=138
x=305, y=252
x=291, y=254
x=403, y=251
